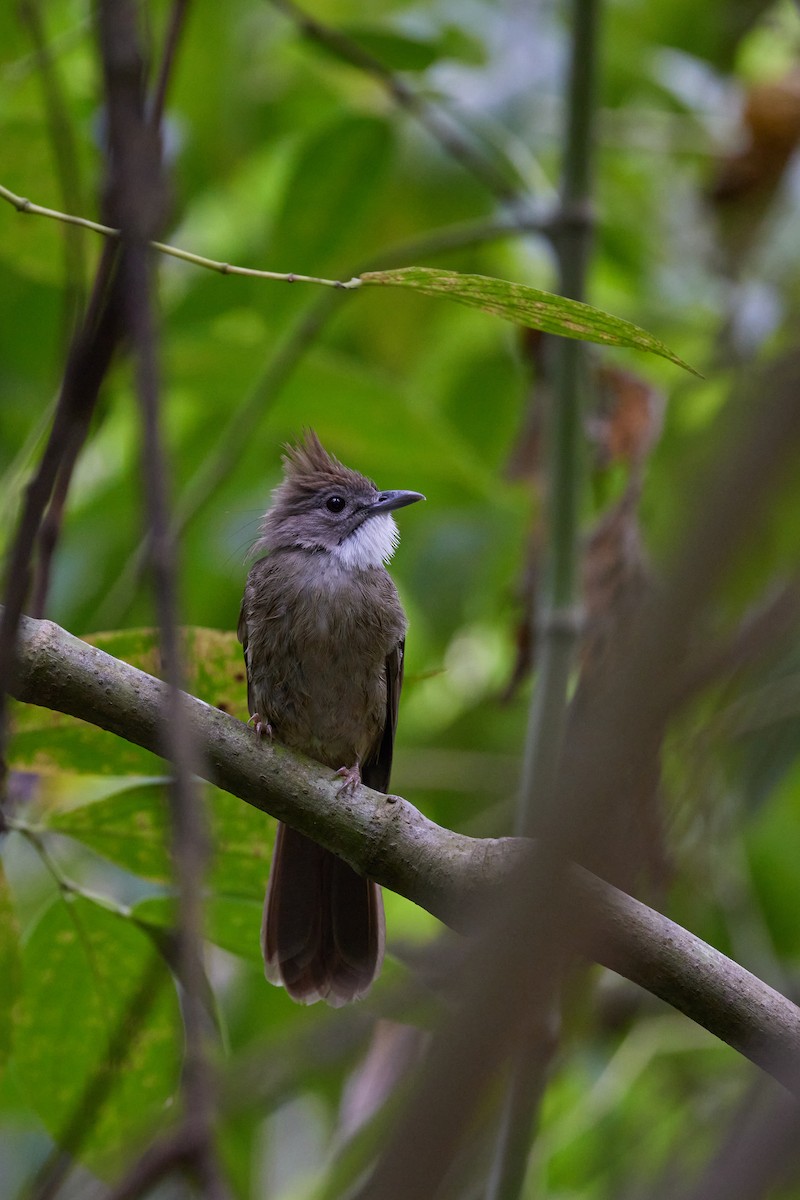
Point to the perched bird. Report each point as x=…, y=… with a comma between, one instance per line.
x=323, y=633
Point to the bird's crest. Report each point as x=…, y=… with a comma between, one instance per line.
x=309, y=468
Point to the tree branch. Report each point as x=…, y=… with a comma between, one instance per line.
x=385, y=837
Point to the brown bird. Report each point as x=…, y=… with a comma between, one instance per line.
x=323, y=633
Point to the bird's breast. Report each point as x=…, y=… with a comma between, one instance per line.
x=317, y=665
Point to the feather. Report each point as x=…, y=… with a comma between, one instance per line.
x=322, y=630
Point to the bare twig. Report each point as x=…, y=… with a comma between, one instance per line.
x=23, y=205
x=50, y=528
x=172, y=39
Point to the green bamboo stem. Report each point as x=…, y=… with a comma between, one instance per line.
x=558, y=615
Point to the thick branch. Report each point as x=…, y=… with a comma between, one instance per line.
x=451, y=875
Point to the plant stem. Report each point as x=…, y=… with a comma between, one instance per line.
x=558, y=615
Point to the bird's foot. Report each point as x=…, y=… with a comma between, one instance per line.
x=262, y=728
x=352, y=779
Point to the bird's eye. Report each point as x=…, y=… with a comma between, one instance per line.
x=334, y=504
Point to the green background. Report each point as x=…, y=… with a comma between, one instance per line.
x=285, y=158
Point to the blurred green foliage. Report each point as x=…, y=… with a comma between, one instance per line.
x=286, y=158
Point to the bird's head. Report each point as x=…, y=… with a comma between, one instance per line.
x=325, y=507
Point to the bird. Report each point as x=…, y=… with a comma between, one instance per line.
x=323, y=633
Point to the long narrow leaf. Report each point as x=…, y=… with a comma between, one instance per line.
x=527, y=306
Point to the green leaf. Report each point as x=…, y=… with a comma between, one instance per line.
x=526, y=306
x=230, y=921
x=98, y=1007
x=335, y=180
x=49, y=741
x=10, y=969
x=397, y=51
x=457, y=43
x=131, y=827
x=213, y=663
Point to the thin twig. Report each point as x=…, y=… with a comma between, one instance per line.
x=23, y=205
x=179, y=1148
x=50, y=528
x=172, y=39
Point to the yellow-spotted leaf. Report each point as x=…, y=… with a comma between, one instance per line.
x=98, y=1035
x=526, y=306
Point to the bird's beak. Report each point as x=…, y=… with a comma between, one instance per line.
x=388, y=501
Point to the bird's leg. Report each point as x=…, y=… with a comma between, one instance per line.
x=352, y=778
x=262, y=728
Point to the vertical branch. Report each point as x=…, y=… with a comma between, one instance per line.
x=89, y=359
x=558, y=614
x=138, y=195
x=65, y=158
x=50, y=529
x=172, y=37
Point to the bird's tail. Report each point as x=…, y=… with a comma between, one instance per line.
x=323, y=932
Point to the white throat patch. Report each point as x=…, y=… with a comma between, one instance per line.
x=373, y=543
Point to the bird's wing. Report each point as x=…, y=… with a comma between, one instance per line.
x=261, y=595
x=377, y=767
x=242, y=634
x=241, y=628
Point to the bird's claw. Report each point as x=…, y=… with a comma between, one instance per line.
x=352, y=779
x=262, y=728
